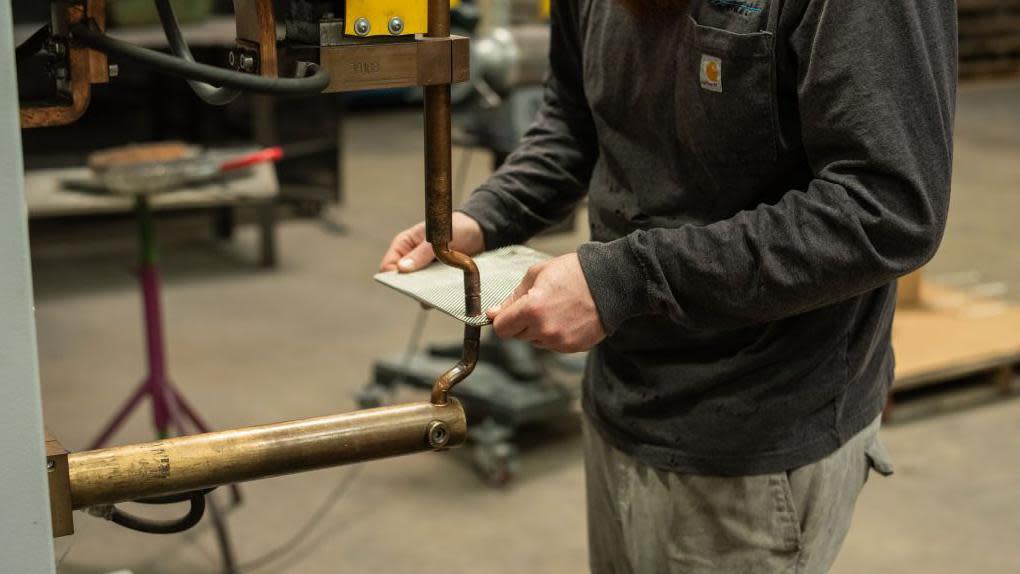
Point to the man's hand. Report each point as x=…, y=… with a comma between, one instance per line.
x=410, y=252
x=552, y=308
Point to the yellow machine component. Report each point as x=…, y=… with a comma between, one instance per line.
x=543, y=10
x=386, y=17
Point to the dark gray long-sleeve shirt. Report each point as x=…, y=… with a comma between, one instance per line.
x=759, y=173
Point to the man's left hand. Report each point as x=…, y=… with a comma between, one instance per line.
x=552, y=308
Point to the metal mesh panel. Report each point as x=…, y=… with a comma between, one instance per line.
x=442, y=287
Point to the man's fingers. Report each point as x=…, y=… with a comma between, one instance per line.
x=520, y=291
x=513, y=319
x=515, y=295
x=419, y=257
x=402, y=244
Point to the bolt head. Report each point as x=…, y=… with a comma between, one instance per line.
x=396, y=26
x=438, y=434
x=362, y=27
x=114, y=70
x=247, y=62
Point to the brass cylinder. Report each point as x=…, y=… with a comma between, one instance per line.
x=182, y=464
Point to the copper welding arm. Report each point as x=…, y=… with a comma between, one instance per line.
x=439, y=207
x=189, y=463
x=460, y=371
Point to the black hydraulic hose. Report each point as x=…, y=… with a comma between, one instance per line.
x=313, y=84
x=193, y=517
x=209, y=94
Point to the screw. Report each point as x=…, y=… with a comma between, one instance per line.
x=247, y=63
x=362, y=27
x=396, y=25
x=241, y=61
x=50, y=465
x=114, y=70
x=438, y=435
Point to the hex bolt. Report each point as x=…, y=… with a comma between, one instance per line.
x=362, y=26
x=438, y=434
x=396, y=26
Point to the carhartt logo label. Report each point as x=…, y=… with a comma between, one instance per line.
x=711, y=73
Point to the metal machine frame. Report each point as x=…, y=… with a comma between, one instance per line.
x=353, y=54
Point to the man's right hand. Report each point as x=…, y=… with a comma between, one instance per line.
x=410, y=252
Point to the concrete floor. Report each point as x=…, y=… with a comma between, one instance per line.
x=249, y=346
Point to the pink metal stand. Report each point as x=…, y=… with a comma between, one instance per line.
x=169, y=407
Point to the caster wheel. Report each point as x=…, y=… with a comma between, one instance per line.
x=496, y=463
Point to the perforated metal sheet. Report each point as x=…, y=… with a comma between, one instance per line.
x=442, y=287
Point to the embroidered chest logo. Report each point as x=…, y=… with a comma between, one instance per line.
x=743, y=8
x=711, y=73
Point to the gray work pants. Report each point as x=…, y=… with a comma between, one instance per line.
x=642, y=520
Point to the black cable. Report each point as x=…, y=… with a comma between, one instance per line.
x=148, y=526
x=173, y=498
x=166, y=63
x=32, y=44
x=179, y=46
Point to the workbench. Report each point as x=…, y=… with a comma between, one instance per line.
x=48, y=197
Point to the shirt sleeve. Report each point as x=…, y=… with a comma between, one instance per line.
x=549, y=171
x=876, y=87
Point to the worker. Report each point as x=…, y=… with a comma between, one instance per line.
x=758, y=174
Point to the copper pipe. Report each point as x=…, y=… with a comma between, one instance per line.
x=438, y=143
x=119, y=474
x=472, y=280
x=438, y=19
x=460, y=371
x=438, y=186
x=439, y=208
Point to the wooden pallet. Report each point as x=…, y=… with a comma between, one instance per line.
x=951, y=334
x=989, y=38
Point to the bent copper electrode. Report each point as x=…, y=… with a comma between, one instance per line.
x=439, y=207
x=202, y=461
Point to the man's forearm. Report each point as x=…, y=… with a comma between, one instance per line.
x=548, y=173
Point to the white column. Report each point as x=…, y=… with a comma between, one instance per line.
x=26, y=540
